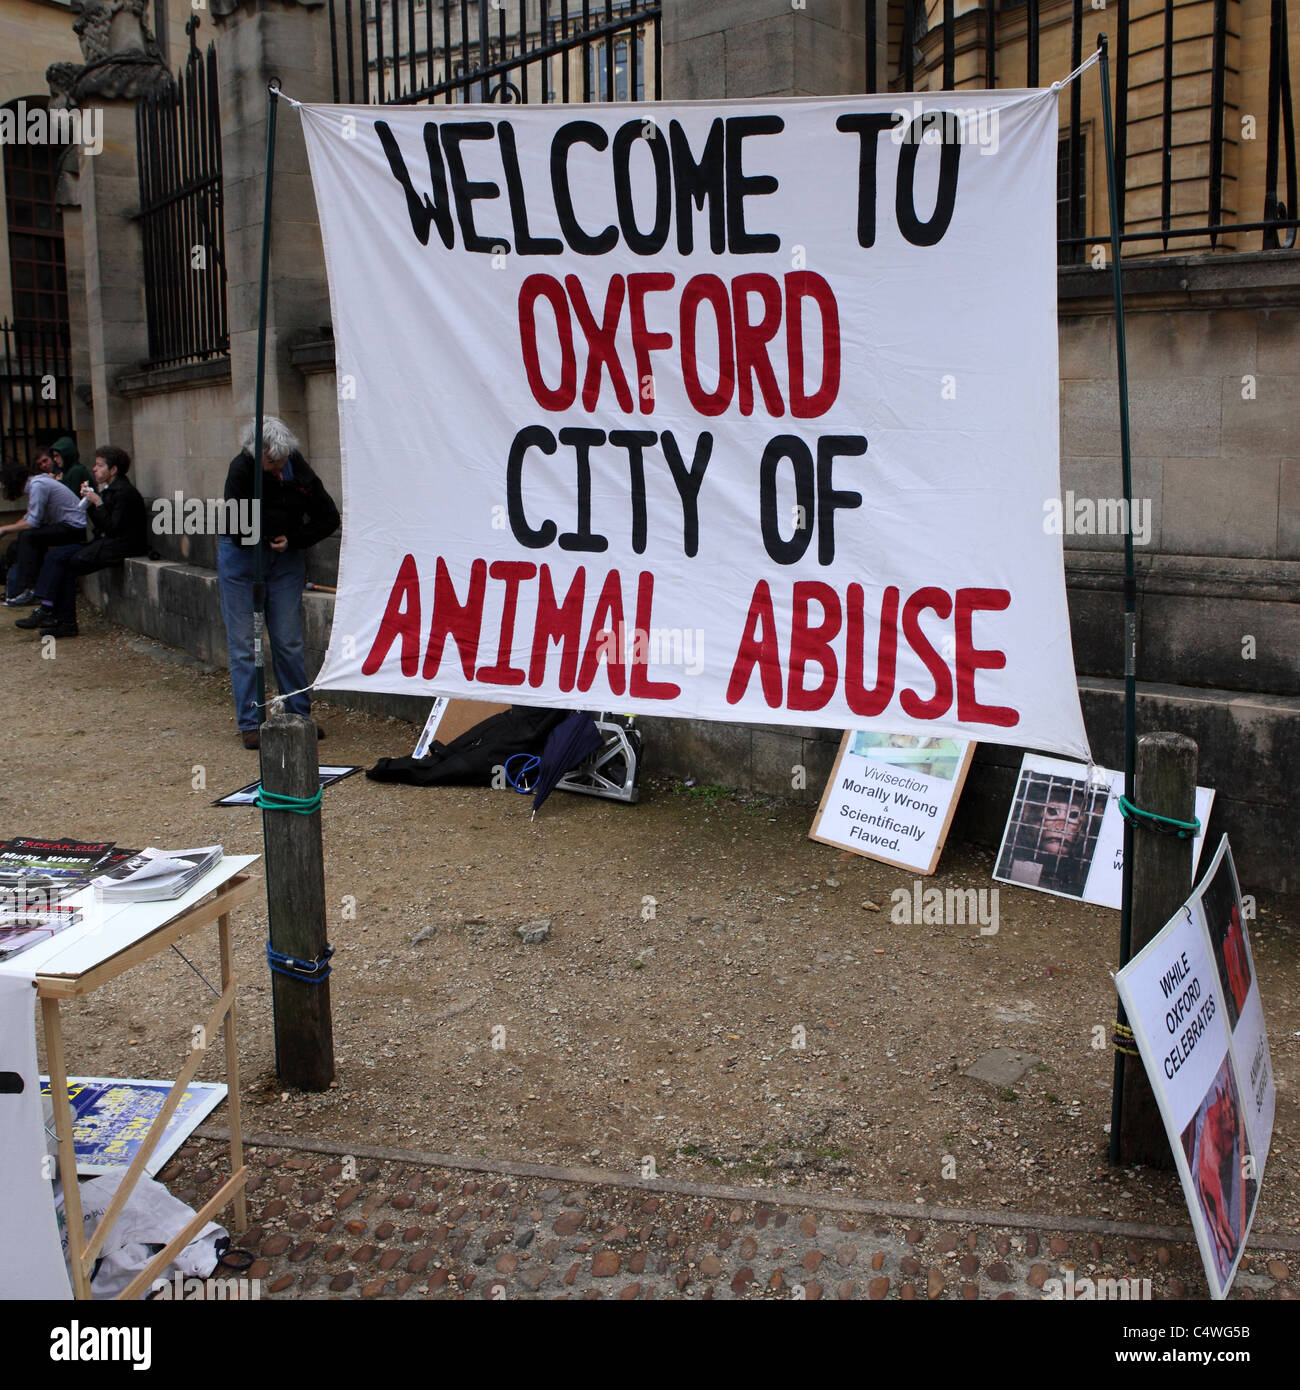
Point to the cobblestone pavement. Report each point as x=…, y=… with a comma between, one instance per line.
x=323, y=1225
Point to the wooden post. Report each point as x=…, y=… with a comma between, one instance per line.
x=1162, y=879
x=295, y=899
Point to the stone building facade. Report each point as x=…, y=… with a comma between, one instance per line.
x=1213, y=335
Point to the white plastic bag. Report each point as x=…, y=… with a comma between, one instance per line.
x=150, y=1218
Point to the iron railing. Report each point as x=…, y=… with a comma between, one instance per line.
x=419, y=51
x=35, y=389
x=977, y=36
x=178, y=139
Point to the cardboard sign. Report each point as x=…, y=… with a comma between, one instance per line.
x=247, y=796
x=1216, y=1100
x=1065, y=831
x=1224, y=915
x=740, y=411
x=891, y=797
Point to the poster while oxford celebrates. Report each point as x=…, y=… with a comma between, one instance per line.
x=1192, y=998
x=736, y=410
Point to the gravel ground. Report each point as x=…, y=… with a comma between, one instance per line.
x=691, y=936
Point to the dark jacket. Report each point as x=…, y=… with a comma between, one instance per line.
x=74, y=475
x=120, y=523
x=299, y=509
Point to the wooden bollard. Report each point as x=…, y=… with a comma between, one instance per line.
x=1165, y=783
x=295, y=899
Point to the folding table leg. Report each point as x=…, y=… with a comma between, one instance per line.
x=67, y=1148
x=232, y=1073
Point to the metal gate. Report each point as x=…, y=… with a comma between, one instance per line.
x=418, y=51
x=178, y=141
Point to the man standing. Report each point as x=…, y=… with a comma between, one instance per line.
x=53, y=517
x=120, y=520
x=296, y=514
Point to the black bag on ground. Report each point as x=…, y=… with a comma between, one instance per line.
x=469, y=761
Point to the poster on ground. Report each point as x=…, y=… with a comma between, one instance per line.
x=891, y=797
x=1223, y=912
x=110, y=1118
x=1212, y=1092
x=1065, y=831
x=724, y=410
x=247, y=796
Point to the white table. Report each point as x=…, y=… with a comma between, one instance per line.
x=107, y=942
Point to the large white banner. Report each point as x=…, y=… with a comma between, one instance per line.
x=737, y=410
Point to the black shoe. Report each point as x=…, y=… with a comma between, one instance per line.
x=251, y=738
x=43, y=617
x=59, y=629
x=320, y=733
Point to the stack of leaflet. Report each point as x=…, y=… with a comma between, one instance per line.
x=24, y=926
x=155, y=875
x=62, y=866
x=36, y=876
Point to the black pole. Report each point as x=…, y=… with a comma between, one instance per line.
x=259, y=578
x=1130, y=593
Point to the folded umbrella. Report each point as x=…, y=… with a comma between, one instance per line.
x=571, y=742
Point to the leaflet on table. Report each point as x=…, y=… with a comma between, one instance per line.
x=25, y=860
x=21, y=927
x=154, y=874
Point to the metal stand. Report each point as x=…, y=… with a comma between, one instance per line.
x=614, y=769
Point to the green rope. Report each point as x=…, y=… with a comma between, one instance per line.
x=299, y=805
x=1165, y=825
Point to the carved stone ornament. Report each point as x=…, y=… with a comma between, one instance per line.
x=121, y=57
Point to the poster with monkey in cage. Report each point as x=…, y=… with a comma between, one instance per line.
x=1065, y=831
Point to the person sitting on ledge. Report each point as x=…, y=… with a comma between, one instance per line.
x=53, y=517
x=68, y=468
x=120, y=520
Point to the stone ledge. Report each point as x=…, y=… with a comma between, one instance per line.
x=179, y=604
x=1195, y=576
x=1258, y=279
x=314, y=356
x=156, y=381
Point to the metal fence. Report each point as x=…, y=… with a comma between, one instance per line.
x=976, y=38
x=178, y=139
x=35, y=389
x=417, y=51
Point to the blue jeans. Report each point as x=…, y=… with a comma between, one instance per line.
x=285, y=575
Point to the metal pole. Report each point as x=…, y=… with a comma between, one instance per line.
x=259, y=578
x=1130, y=590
